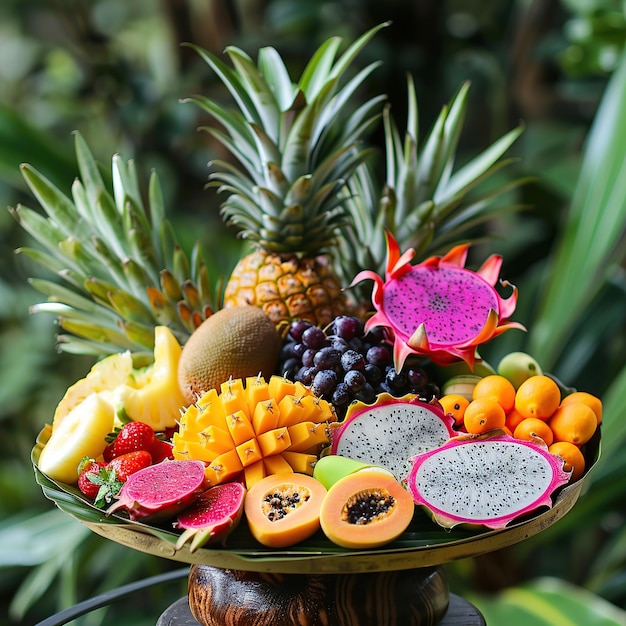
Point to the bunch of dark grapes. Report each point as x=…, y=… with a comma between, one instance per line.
x=341, y=363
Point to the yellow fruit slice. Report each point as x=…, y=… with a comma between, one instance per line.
x=265, y=416
x=239, y=427
x=105, y=375
x=292, y=411
x=217, y=439
x=257, y=390
x=81, y=433
x=155, y=397
x=254, y=473
x=274, y=441
x=307, y=435
x=300, y=462
x=224, y=467
x=276, y=465
x=249, y=452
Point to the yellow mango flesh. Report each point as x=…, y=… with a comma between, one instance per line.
x=248, y=429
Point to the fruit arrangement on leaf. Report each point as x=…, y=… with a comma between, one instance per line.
x=296, y=402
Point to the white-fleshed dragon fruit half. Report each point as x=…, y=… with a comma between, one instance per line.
x=438, y=308
x=390, y=431
x=485, y=480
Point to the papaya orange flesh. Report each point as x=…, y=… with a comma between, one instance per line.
x=366, y=510
x=284, y=509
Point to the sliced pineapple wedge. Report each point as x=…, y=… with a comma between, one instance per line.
x=81, y=433
x=104, y=376
x=149, y=395
x=154, y=396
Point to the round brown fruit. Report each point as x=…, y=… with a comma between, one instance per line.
x=237, y=342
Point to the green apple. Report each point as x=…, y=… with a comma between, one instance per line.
x=518, y=366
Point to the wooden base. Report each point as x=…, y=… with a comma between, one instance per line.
x=460, y=613
x=220, y=597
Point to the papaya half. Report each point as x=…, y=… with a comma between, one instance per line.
x=366, y=510
x=284, y=509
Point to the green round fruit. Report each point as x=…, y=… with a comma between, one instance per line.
x=518, y=366
x=462, y=385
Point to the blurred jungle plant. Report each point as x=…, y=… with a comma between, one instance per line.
x=114, y=70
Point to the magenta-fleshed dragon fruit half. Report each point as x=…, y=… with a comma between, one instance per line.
x=485, y=480
x=161, y=490
x=212, y=516
x=439, y=308
x=390, y=431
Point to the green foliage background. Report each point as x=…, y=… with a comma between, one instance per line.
x=115, y=71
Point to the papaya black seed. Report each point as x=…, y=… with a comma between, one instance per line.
x=365, y=511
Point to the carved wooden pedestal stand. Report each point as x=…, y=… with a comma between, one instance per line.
x=415, y=597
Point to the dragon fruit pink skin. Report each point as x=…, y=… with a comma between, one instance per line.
x=485, y=480
x=161, y=490
x=390, y=431
x=212, y=516
x=438, y=308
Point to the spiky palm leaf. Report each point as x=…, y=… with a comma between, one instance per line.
x=119, y=268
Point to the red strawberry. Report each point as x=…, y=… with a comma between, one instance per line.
x=109, y=452
x=88, y=469
x=127, y=464
x=132, y=437
x=161, y=450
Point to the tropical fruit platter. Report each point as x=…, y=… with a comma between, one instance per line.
x=328, y=401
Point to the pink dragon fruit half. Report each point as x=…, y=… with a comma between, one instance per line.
x=438, y=308
x=485, y=480
x=212, y=516
x=161, y=490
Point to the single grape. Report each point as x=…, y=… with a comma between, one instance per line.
x=286, y=350
x=366, y=394
x=373, y=374
x=327, y=358
x=341, y=396
x=352, y=360
x=416, y=378
x=308, y=357
x=291, y=367
x=347, y=327
x=396, y=380
x=375, y=335
x=339, y=344
x=324, y=383
x=356, y=343
x=313, y=337
x=298, y=327
x=298, y=349
x=354, y=380
x=306, y=375
x=378, y=355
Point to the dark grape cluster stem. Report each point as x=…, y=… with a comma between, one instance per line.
x=342, y=363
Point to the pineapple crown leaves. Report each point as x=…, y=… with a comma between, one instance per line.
x=296, y=143
x=424, y=188
x=425, y=203
x=120, y=271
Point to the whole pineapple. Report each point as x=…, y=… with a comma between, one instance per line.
x=297, y=146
